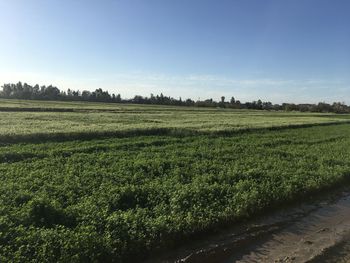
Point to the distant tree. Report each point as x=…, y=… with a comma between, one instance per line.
x=69, y=93
x=36, y=92
x=26, y=91
x=86, y=95
x=118, y=98
x=259, y=104
x=51, y=92
x=7, y=90
x=18, y=90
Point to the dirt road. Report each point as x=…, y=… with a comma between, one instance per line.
x=317, y=231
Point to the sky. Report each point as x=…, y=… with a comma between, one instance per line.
x=275, y=50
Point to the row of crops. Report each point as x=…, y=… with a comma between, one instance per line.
x=37, y=121
x=119, y=199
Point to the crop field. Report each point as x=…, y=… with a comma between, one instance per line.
x=90, y=184
x=30, y=120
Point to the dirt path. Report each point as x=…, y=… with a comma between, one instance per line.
x=314, y=232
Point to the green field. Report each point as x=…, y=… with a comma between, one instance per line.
x=149, y=177
x=20, y=120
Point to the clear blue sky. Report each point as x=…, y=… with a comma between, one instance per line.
x=276, y=50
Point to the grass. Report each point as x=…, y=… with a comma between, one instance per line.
x=118, y=199
x=91, y=120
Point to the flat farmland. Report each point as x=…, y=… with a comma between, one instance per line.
x=119, y=198
x=35, y=119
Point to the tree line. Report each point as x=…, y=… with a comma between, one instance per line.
x=36, y=92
